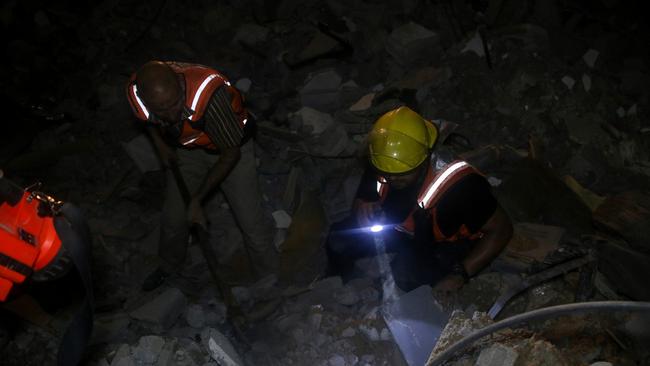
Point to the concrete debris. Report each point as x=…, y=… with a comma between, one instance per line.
x=110, y=328
x=123, y=357
x=590, y=57
x=346, y=296
x=363, y=104
x=568, y=81
x=163, y=310
x=494, y=181
x=348, y=332
x=195, y=316
x=282, y=219
x=243, y=85
x=321, y=91
x=220, y=348
x=601, y=363
x=317, y=75
x=497, y=355
x=412, y=43
x=311, y=120
x=320, y=45
x=532, y=242
x=475, y=44
x=336, y=360
x=458, y=327
x=148, y=349
x=371, y=333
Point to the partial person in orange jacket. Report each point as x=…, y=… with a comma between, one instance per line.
x=445, y=225
x=196, y=118
x=41, y=241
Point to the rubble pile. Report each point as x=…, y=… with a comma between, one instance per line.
x=547, y=98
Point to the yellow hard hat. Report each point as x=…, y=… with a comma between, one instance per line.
x=400, y=141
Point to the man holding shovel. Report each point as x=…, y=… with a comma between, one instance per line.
x=201, y=131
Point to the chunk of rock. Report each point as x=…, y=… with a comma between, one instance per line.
x=220, y=348
x=346, y=296
x=195, y=316
x=497, y=355
x=164, y=309
x=321, y=91
x=148, y=349
x=412, y=44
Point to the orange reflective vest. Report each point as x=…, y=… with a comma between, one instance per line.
x=200, y=83
x=436, y=183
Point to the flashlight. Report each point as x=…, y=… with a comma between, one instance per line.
x=376, y=228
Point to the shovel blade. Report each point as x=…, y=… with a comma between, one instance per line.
x=416, y=321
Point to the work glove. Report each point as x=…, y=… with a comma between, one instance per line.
x=366, y=212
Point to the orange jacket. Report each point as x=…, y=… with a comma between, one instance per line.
x=200, y=83
x=28, y=241
x=433, y=189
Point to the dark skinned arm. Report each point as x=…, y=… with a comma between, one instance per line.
x=497, y=232
x=218, y=172
x=228, y=158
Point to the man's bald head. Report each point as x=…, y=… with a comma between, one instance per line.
x=157, y=82
x=160, y=89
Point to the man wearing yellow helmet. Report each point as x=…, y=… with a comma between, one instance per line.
x=447, y=225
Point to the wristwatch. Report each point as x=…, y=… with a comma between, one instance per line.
x=459, y=269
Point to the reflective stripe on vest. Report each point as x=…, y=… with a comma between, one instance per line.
x=381, y=188
x=198, y=93
x=134, y=90
x=433, y=190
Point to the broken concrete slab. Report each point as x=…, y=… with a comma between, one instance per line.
x=363, y=104
x=412, y=44
x=123, y=356
x=346, y=295
x=148, y=349
x=312, y=120
x=532, y=242
x=282, y=219
x=143, y=154
x=163, y=310
x=321, y=91
x=475, y=44
x=320, y=45
x=568, y=81
x=220, y=348
x=458, y=327
x=590, y=57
